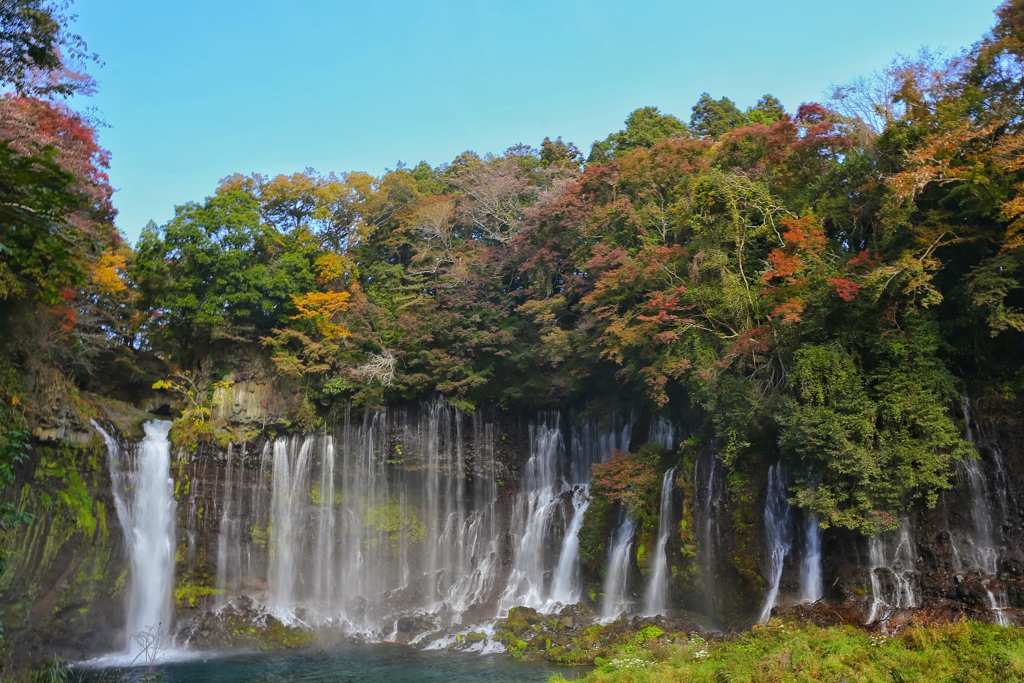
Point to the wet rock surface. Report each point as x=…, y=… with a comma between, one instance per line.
x=575, y=635
x=241, y=625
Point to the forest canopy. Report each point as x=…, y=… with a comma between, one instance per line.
x=821, y=284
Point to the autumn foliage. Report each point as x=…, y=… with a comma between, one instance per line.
x=817, y=284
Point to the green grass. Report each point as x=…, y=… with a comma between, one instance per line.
x=966, y=651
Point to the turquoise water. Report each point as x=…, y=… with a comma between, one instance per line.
x=344, y=664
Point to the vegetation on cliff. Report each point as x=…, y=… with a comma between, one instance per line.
x=818, y=284
x=822, y=285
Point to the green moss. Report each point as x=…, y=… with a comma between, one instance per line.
x=594, y=534
x=394, y=521
x=189, y=595
x=745, y=517
x=516, y=647
x=650, y=632
x=273, y=636
x=259, y=536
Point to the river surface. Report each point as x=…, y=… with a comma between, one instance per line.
x=341, y=664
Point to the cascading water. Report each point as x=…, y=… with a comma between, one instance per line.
x=811, y=585
x=707, y=497
x=657, y=588
x=982, y=552
x=591, y=444
x=536, y=505
x=324, y=568
x=396, y=515
x=777, y=534
x=616, y=580
x=145, y=507
x=998, y=605
x=565, y=586
x=983, y=540
x=893, y=571
x=663, y=432
x=289, y=492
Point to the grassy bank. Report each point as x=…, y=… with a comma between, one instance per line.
x=778, y=651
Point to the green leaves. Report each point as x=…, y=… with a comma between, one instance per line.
x=216, y=271
x=865, y=444
x=645, y=127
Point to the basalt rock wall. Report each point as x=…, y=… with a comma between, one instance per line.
x=389, y=524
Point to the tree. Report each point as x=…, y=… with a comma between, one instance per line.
x=216, y=271
x=645, y=127
x=711, y=118
x=557, y=153
x=37, y=52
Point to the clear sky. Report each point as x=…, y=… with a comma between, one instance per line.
x=194, y=91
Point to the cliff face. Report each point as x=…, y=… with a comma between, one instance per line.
x=64, y=587
x=399, y=522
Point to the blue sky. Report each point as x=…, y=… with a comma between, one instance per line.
x=194, y=91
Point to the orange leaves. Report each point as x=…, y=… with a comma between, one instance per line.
x=804, y=234
x=804, y=244
x=789, y=309
x=65, y=314
x=1010, y=156
x=783, y=265
x=320, y=308
x=846, y=289
x=662, y=305
x=800, y=262
x=622, y=477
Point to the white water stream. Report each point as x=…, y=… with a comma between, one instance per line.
x=657, y=587
x=143, y=493
x=778, y=535
x=616, y=581
x=811, y=585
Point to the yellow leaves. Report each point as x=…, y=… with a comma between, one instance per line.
x=938, y=159
x=320, y=303
x=1010, y=155
x=320, y=308
x=1013, y=211
x=107, y=273
x=333, y=267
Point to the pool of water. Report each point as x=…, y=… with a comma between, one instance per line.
x=340, y=664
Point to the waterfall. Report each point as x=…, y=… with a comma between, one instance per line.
x=229, y=568
x=616, y=579
x=565, y=587
x=998, y=605
x=536, y=503
x=706, y=500
x=654, y=600
x=984, y=551
x=542, y=495
x=663, y=432
x=811, y=586
x=590, y=444
x=892, y=570
x=289, y=491
x=145, y=507
x=777, y=533
x=324, y=571
x=389, y=516
x=393, y=517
